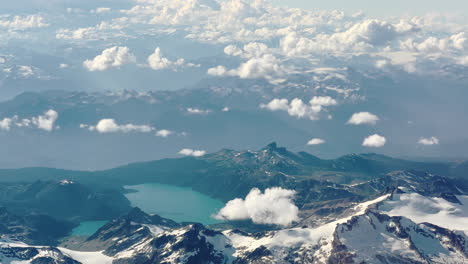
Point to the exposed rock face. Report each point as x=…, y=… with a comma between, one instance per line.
x=368, y=238
x=126, y=231
x=379, y=238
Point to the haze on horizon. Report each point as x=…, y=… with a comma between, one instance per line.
x=150, y=79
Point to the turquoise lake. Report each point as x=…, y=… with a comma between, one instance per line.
x=176, y=203
x=88, y=228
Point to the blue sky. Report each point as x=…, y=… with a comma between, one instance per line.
x=383, y=8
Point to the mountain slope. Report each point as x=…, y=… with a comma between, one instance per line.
x=366, y=235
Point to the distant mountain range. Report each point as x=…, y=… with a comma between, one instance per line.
x=226, y=114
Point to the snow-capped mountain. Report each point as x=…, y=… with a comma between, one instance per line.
x=390, y=212
x=373, y=233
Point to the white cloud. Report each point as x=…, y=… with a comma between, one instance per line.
x=374, y=141
x=25, y=71
x=23, y=23
x=5, y=124
x=46, y=121
x=363, y=118
x=197, y=111
x=316, y=141
x=323, y=101
x=267, y=67
x=101, y=10
x=429, y=141
x=193, y=153
x=77, y=34
x=299, y=109
x=110, y=58
x=164, y=133
x=277, y=105
x=111, y=126
x=108, y=125
x=275, y=206
x=260, y=63
x=366, y=35
x=218, y=71
x=157, y=62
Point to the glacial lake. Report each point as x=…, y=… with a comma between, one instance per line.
x=176, y=203
x=87, y=228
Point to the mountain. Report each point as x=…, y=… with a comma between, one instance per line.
x=17, y=252
x=361, y=208
x=32, y=228
x=233, y=174
x=132, y=228
x=370, y=234
x=64, y=199
x=244, y=126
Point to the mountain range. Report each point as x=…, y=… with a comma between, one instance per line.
x=359, y=208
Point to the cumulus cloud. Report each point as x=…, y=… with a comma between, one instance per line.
x=45, y=122
x=260, y=63
x=429, y=141
x=363, y=118
x=110, y=58
x=374, y=141
x=192, y=152
x=77, y=34
x=366, y=35
x=299, y=109
x=303, y=34
x=316, y=141
x=23, y=22
x=5, y=124
x=164, y=133
x=157, y=62
x=274, y=206
x=111, y=126
x=266, y=67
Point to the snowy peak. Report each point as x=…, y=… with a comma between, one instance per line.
x=379, y=238
x=128, y=230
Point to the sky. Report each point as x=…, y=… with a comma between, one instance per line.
x=341, y=82
x=383, y=8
